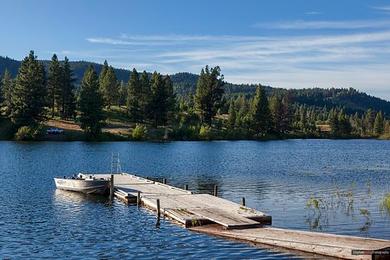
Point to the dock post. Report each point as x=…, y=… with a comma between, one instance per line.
x=186, y=187
x=243, y=201
x=215, y=190
x=112, y=187
x=138, y=198
x=158, y=213
x=165, y=181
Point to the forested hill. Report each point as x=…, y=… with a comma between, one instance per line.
x=185, y=84
x=78, y=68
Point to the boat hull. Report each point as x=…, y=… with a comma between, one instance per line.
x=84, y=186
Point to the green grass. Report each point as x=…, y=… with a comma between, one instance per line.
x=385, y=136
x=116, y=114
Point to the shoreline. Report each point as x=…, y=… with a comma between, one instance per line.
x=187, y=140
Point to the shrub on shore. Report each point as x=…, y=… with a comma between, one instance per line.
x=28, y=133
x=139, y=132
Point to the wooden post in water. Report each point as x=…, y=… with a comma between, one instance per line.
x=186, y=187
x=243, y=201
x=165, y=181
x=138, y=198
x=158, y=213
x=112, y=187
x=215, y=190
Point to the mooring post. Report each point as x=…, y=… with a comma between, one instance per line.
x=112, y=187
x=186, y=187
x=138, y=198
x=215, y=190
x=158, y=213
x=243, y=201
x=165, y=181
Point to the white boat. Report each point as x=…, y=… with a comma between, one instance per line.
x=83, y=183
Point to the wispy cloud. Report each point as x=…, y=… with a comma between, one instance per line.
x=313, y=13
x=358, y=60
x=384, y=8
x=316, y=25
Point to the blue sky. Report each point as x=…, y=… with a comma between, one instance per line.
x=289, y=43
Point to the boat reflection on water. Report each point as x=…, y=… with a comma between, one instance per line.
x=71, y=197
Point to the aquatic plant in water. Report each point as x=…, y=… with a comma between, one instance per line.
x=315, y=219
x=368, y=222
x=340, y=201
x=385, y=204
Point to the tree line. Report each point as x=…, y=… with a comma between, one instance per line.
x=36, y=95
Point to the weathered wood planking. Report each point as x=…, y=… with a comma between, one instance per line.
x=225, y=218
x=184, y=206
x=312, y=242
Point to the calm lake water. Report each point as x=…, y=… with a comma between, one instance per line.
x=348, y=178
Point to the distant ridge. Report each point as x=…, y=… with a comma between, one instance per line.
x=185, y=83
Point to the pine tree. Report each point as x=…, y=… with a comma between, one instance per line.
x=232, y=115
x=379, y=124
x=261, y=116
x=334, y=122
x=68, y=101
x=1, y=91
x=243, y=116
x=29, y=93
x=368, y=123
x=357, y=124
x=145, y=98
x=90, y=104
x=170, y=97
x=344, y=124
x=277, y=114
x=103, y=74
x=109, y=87
x=54, y=84
x=133, y=97
x=158, y=107
x=6, y=89
x=208, y=93
x=123, y=89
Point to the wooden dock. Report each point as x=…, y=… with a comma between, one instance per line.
x=209, y=214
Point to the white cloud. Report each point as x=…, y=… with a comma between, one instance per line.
x=360, y=60
x=316, y=25
x=313, y=13
x=384, y=8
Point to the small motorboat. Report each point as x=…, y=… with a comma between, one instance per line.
x=83, y=183
x=54, y=131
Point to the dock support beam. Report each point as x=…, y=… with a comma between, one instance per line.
x=215, y=190
x=138, y=198
x=243, y=201
x=112, y=187
x=158, y=213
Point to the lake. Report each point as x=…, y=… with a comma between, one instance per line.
x=346, y=179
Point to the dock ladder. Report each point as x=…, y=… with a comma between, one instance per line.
x=115, y=164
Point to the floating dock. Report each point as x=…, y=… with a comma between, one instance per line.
x=212, y=215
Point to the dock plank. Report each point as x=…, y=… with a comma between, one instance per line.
x=312, y=242
x=225, y=218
